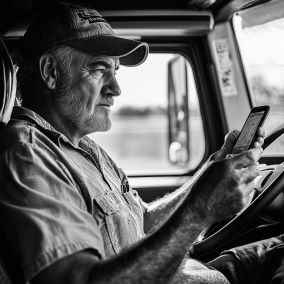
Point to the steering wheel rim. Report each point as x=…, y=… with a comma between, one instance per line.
x=272, y=183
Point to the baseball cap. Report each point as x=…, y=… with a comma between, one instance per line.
x=83, y=29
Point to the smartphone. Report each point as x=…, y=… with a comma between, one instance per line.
x=247, y=135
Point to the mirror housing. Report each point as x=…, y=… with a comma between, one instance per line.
x=178, y=112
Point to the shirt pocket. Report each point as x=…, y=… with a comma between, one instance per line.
x=110, y=208
x=133, y=201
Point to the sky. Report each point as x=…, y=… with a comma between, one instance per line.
x=262, y=48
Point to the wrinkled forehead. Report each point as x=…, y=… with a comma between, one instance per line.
x=109, y=61
x=79, y=57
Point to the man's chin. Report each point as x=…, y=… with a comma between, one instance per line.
x=98, y=124
x=103, y=130
x=102, y=127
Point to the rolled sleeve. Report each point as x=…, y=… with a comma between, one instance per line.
x=45, y=215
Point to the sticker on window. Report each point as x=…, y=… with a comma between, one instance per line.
x=225, y=67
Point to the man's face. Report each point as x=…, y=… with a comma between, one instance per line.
x=85, y=91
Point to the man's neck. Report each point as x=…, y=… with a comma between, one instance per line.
x=59, y=122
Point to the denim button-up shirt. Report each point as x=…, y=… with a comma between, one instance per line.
x=58, y=198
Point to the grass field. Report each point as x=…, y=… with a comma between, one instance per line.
x=141, y=143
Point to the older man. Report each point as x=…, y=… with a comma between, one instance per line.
x=71, y=217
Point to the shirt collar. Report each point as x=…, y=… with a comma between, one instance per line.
x=29, y=115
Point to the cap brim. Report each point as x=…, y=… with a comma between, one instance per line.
x=130, y=52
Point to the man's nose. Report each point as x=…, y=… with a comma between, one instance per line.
x=113, y=87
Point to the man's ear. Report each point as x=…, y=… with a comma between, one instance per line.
x=48, y=71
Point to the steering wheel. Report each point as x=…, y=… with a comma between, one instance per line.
x=270, y=184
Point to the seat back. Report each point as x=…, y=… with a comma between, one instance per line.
x=8, y=84
x=7, y=99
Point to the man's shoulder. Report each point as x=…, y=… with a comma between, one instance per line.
x=17, y=132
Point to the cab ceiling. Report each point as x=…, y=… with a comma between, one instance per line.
x=14, y=11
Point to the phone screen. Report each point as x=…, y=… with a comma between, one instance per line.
x=248, y=132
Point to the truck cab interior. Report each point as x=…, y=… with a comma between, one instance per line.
x=210, y=62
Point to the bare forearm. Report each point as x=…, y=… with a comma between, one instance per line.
x=160, y=210
x=154, y=261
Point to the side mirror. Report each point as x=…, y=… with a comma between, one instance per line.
x=178, y=112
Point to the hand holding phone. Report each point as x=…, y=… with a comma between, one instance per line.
x=248, y=133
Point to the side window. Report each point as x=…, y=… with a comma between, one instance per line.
x=262, y=49
x=140, y=137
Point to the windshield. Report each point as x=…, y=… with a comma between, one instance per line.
x=261, y=43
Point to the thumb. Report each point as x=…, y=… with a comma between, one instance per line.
x=230, y=140
x=228, y=145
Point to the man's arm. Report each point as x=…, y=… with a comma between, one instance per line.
x=158, y=211
x=157, y=258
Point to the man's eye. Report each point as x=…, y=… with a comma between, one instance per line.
x=97, y=71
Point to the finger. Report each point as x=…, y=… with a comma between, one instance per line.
x=231, y=137
x=246, y=158
x=226, y=148
x=261, y=132
x=248, y=196
x=247, y=175
x=259, y=142
x=229, y=142
x=247, y=191
x=256, y=145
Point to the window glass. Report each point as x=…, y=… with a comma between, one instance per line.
x=262, y=50
x=138, y=140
